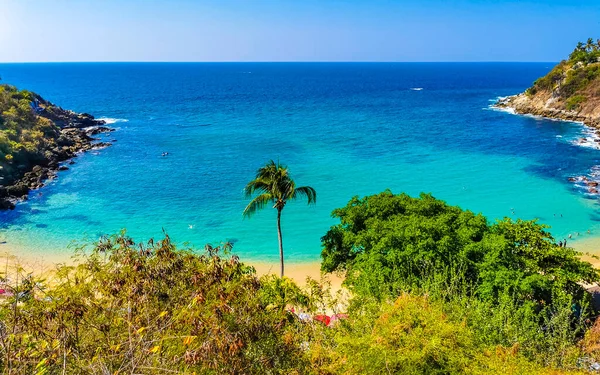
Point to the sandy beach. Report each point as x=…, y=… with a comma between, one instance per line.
x=299, y=272
x=44, y=265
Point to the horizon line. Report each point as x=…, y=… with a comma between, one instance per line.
x=273, y=62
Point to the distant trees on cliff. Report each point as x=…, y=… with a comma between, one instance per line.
x=586, y=53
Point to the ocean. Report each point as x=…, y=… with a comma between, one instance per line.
x=345, y=129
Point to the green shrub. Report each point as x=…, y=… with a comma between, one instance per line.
x=574, y=102
x=149, y=309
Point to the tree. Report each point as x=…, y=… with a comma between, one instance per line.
x=589, y=45
x=273, y=184
x=388, y=244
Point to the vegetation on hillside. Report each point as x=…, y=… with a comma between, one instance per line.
x=575, y=80
x=435, y=290
x=24, y=136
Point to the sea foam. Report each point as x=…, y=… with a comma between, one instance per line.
x=111, y=120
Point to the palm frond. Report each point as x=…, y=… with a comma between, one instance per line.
x=259, y=185
x=256, y=204
x=306, y=191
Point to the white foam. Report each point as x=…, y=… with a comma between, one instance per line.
x=416, y=88
x=493, y=107
x=110, y=120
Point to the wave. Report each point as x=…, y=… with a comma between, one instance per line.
x=493, y=107
x=588, y=139
x=111, y=120
x=416, y=88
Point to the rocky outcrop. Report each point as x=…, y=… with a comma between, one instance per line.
x=570, y=91
x=545, y=105
x=76, y=131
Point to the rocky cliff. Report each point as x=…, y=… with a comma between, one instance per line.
x=36, y=137
x=571, y=91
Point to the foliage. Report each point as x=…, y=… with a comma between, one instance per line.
x=387, y=243
x=24, y=136
x=586, y=53
x=273, y=184
x=153, y=309
x=574, y=102
x=509, y=281
x=414, y=335
x=551, y=80
x=150, y=309
x=575, y=80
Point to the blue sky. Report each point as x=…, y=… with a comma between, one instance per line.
x=294, y=30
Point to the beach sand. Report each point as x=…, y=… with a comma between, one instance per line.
x=44, y=265
x=299, y=272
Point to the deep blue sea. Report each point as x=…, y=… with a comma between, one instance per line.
x=343, y=128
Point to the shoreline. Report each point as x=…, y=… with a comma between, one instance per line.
x=45, y=264
x=73, y=136
x=521, y=104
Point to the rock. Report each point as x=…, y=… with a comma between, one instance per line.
x=100, y=145
x=6, y=204
x=20, y=190
x=98, y=129
x=592, y=183
x=572, y=179
x=76, y=130
x=593, y=190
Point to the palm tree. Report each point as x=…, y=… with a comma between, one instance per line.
x=589, y=45
x=273, y=184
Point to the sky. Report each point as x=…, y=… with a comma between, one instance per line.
x=294, y=30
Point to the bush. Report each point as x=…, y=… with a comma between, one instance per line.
x=574, y=102
x=148, y=309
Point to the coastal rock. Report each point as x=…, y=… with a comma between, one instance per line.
x=70, y=136
x=542, y=106
x=19, y=190
x=592, y=183
x=100, y=145
x=98, y=130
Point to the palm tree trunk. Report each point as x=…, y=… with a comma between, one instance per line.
x=280, y=240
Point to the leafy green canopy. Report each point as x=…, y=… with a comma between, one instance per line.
x=389, y=243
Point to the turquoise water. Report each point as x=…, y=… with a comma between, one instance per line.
x=345, y=129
